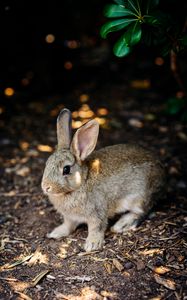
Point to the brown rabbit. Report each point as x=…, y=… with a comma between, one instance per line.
x=91, y=187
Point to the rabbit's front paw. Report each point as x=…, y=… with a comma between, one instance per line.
x=94, y=242
x=59, y=232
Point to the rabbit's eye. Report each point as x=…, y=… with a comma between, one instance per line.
x=66, y=170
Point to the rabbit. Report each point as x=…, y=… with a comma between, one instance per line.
x=88, y=186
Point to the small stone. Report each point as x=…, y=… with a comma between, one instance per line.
x=128, y=265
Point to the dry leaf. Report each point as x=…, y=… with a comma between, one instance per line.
x=10, y=194
x=108, y=295
x=44, y=148
x=135, y=123
x=108, y=267
x=9, y=279
x=161, y=270
x=117, y=264
x=151, y=251
x=39, y=277
x=181, y=258
x=168, y=283
x=87, y=293
x=38, y=257
x=16, y=263
x=24, y=171
x=23, y=296
x=182, y=136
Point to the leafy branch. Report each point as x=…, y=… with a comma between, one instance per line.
x=143, y=21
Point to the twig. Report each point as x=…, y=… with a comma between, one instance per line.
x=175, y=70
x=171, y=237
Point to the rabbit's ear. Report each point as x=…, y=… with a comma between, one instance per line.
x=64, y=129
x=85, y=139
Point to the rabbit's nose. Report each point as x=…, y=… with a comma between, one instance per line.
x=48, y=189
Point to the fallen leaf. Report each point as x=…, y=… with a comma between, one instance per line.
x=168, y=283
x=23, y=296
x=182, y=136
x=117, y=264
x=108, y=267
x=135, y=123
x=87, y=293
x=9, y=279
x=39, y=277
x=16, y=263
x=10, y=194
x=151, y=252
x=38, y=257
x=108, y=295
x=24, y=171
x=181, y=258
x=161, y=270
x=44, y=148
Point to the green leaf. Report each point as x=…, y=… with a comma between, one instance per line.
x=121, y=48
x=114, y=10
x=115, y=26
x=131, y=37
x=134, y=5
x=133, y=34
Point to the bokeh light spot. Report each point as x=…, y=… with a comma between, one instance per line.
x=9, y=92
x=50, y=38
x=68, y=65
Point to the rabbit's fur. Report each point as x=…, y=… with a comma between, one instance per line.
x=121, y=179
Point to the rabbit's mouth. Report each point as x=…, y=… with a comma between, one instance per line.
x=53, y=191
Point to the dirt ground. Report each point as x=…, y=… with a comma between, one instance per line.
x=149, y=263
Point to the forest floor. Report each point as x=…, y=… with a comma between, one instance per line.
x=148, y=263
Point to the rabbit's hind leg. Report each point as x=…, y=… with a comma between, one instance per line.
x=132, y=209
x=128, y=221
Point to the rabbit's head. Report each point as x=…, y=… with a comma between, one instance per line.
x=65, y=170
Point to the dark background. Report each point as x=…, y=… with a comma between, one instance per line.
x=25, y=54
